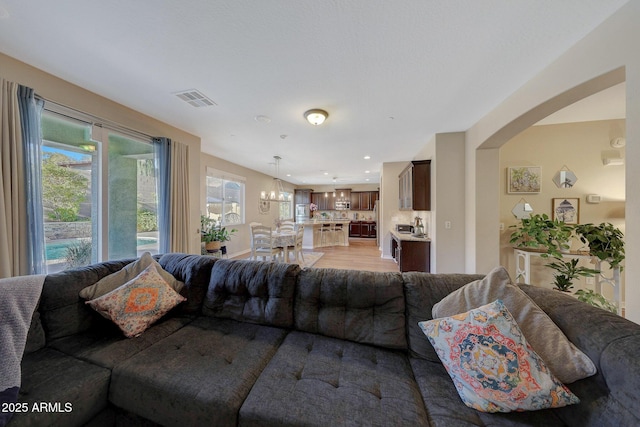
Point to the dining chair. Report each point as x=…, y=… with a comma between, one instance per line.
x=251, y=225
x=287, y=226
x=262, y=243
x=297, y=247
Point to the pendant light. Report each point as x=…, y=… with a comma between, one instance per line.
x=276, y=193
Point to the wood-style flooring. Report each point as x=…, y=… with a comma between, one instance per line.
x=361, y=254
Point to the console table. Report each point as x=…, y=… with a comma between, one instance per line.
x=523, y=271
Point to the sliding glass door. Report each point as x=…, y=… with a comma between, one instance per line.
x=99, y=193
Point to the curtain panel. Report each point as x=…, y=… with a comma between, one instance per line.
x=179, y=197
x=162, y=147
x=30, y=118
x=13, y=215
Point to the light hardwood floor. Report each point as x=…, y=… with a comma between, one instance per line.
x=361, y=254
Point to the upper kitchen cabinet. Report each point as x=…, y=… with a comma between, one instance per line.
x=303, y=197
x=415, y=186
x=325, y=201
x=363, y=200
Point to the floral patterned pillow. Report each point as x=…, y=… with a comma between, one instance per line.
x=491, y=364
x=137, y=304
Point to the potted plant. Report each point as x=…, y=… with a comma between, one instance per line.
x=540, y=232
x=567, y=272
x=596, y=300
x=605, y=242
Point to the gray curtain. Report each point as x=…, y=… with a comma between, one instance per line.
x=162, y=147
x=30, y=118
x=13, y=215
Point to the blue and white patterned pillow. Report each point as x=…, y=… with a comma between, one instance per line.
x=491, y=364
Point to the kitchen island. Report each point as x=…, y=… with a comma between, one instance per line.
x=313, y=236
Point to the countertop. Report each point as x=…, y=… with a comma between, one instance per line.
x=409, y=237
x=325, y=221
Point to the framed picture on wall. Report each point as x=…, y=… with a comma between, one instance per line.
x=566, y=209
x=523, y=179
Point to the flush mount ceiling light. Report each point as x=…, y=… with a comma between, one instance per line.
x=316, y=116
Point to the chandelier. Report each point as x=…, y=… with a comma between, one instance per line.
x=276, y=193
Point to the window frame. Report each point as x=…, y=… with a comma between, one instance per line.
x=226, y=178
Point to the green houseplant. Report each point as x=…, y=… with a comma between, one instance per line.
x=567, y=272
x=540, y=232
x=596, y=300
x=605, y=241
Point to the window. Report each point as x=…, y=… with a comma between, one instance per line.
x=99, y=193
x=225, y=197
x=286, y=208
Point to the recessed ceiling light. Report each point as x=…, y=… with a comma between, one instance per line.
x=288, y=174
x=262, y=119
x=326, y=173
x=366, y=179
x=367, y=171
x=367, y=157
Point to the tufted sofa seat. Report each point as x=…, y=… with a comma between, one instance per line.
x=269, y=344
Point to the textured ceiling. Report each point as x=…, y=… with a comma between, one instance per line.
x=391, y=74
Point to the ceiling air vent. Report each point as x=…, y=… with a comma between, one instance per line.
x=195, y=98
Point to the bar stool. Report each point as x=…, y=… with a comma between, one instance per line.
x=338, y=233
x=325, y=230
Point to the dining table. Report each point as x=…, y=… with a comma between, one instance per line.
x=284, y=240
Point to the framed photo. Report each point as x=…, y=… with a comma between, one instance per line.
x=566, y=209
x=523, y=179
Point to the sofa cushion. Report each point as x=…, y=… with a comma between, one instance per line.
x=138, y=303
x=320, y=381
x=200, y=375
x=72, y=391
x=613, y=344
x=252, y=291
x=491, y=364
x=126, y=274
x=422, y=291
x=362, y=306
x=63, y=312
x=194, y=271
x=564, y=359
x=106, y=346
x=445, y=408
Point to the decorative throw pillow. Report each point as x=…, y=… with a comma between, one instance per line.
x=119, y=278
x=137, y=304
x=491, y=364
x=564, y=359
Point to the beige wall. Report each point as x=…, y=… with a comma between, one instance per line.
x=578, y=147
x=573, y=75
x=67, y=94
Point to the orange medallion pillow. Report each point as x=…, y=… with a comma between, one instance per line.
x=137, y=304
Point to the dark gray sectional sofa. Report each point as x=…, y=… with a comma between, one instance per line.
x=267, y=344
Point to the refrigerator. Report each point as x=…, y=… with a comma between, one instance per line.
x=302, y=212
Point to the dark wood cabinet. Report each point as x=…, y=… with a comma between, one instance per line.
x=355, y=229
x=323, y=203
x=415, y=186
x=411, y=255
x=367, y=229
x=302, y=197
x=363, y=200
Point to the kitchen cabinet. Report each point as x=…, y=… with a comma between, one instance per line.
x=355, y=229
x=368, y=229
x=415, y=186
x=411, y=254
x=302, y=197
x=363, y=200
x=324, y=203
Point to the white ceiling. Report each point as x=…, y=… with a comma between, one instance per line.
x=391, y=74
